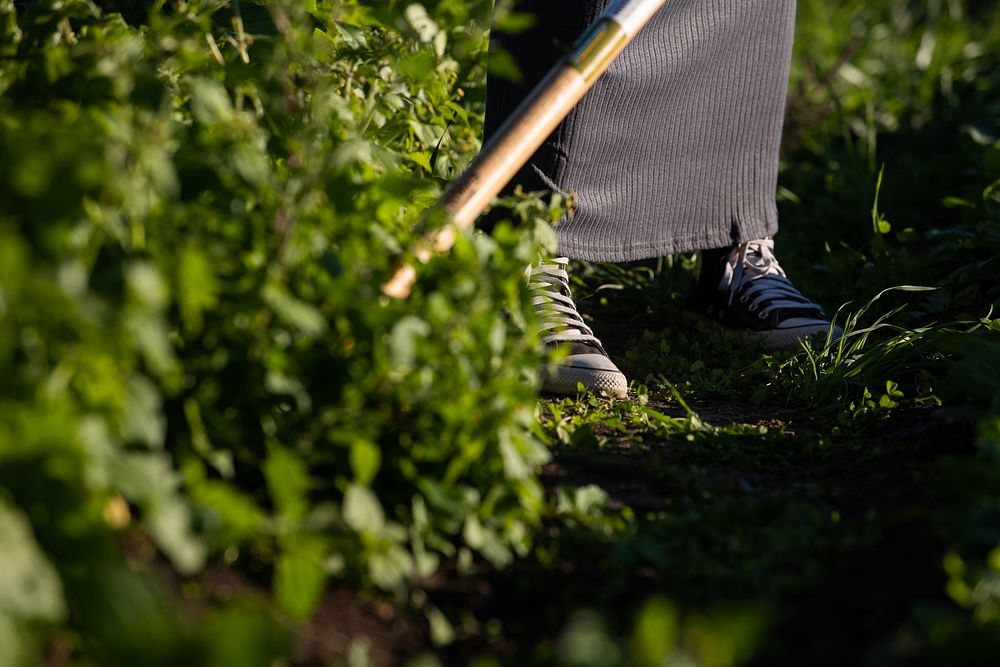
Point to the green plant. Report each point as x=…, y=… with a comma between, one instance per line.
x=206, y=198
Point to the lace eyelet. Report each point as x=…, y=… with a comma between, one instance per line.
x=752, y=308
x=744, y=299
x=762, y=315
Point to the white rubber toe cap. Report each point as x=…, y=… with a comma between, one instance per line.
x=595, y=372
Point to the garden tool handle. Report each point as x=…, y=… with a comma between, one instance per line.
x=528, y=127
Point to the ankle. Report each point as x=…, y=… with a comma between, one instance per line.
x=711, y=269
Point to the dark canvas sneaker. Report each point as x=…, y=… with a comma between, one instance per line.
x=561, y=326
x=745, y=288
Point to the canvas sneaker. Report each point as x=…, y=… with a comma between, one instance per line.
x=587, y=363
x=745, y=288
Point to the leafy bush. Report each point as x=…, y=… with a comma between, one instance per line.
x=197, y=205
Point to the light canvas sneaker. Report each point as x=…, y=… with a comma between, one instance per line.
x=745, y=288
x=561, y=325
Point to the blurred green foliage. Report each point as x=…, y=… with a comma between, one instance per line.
x=198, y=202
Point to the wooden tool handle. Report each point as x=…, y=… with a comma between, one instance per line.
x=528, y=127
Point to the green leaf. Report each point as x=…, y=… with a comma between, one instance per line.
x=149, y=480
x=30, y=588
x=295, y=312
x=993, y=559
x=514, y=22
x=197, y=286
x=146, y=285
x=210, y=101
x=362, y=510
x=655, y=633
x=243, y=636
x=13, y=642
x=299, y=579
x=366, y=458
x=390, y=568
x=151, y=334
x=231, y=517
x=503, y=65
x=418, y=65
x=285, y=385
x=403, y=341
x=288, y=483
x=10, y=32
x=421, y=22
x=892, y=389
x=251, y=163
x=143, y=420
x=353, y=36
x=442, y=631
x=887, y=403
x=423, y=160
x=169, y=522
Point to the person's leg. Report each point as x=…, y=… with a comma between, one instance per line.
x=558, y=24
x=676, y=147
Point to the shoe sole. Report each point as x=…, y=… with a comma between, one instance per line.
x=774, y=340
x=564, y=380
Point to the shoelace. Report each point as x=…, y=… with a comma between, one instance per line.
x=753, y=272
x=559, y=320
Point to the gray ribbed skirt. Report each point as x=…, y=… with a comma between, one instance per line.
x=676, y=148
